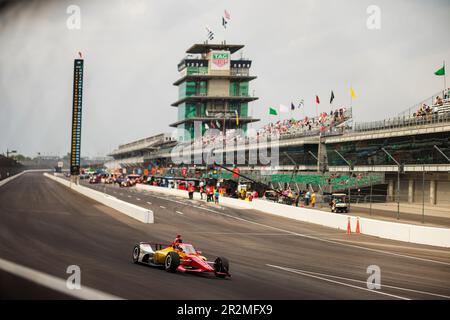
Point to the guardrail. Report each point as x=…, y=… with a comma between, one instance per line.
x=402, y=122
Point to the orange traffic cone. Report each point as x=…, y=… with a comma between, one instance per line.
x=349, y=229
x=358, y=231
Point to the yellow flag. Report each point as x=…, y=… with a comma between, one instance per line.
x=352, y=93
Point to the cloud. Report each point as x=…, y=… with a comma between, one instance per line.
x=132, y=48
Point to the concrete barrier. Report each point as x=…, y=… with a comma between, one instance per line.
x=384, y=229
x=131, y=210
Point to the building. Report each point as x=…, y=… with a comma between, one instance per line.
x=419, y=142
x=213, y=90
x=331, y=153
x=133, y=155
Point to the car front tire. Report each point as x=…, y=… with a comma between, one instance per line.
x=221, y=265
x=135, y=255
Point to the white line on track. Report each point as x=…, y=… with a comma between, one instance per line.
x=162, y=207
x=53, y=282
x=129, y=196
x=363, y=282
x=179, y=212
x=309, y=236
x=149, y=202
x=244, y=233
x=337, y=282
x=138, y=199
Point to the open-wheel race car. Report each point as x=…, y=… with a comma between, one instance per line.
x=179, y=256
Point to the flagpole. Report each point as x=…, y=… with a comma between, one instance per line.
x=445, y=78
x=351, y=97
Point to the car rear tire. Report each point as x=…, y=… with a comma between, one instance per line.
x=172, y=262
x=221, y=265
x=135, y=255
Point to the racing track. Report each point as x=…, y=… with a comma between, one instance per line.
x=46, y=227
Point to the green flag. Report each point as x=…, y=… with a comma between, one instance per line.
x=273, y=111
x=441, y=71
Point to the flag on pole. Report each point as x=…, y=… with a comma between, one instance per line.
x=237, y=117
x=441, y=71
x=332, y=97
x=283, y=108
x=225, y=18
x=224, y=22
x=292, y=106
x=210, y=33
x=352, y=93
x=317, y=99
x=273, y=111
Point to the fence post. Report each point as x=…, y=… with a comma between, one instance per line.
x=370, y=210
x=423, y=193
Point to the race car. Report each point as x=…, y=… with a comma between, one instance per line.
x=178, y=256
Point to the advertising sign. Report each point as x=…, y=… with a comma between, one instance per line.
x=220, y=60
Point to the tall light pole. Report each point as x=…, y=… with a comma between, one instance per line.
x=398, y=181
x=350, y=175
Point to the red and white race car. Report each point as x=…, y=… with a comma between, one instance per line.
x=179, y=256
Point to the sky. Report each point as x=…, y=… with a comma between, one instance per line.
x=299, y=49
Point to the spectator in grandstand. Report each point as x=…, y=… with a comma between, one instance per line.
x=435, y=110
x=438, y=101
x=423, y=110
x=447, y=94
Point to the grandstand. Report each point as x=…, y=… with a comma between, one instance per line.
x=308, y=152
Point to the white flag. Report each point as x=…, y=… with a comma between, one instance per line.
x=283, y=108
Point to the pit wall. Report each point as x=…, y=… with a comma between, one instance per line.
x=131, y=210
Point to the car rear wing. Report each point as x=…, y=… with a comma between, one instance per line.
x=156, y=246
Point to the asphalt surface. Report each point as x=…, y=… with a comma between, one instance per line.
x=47, y=227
